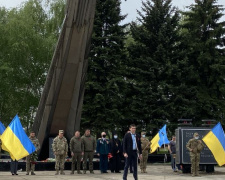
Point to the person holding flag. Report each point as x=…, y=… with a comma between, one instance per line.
x=32, y=158
x=16, y=142
x=145, y=150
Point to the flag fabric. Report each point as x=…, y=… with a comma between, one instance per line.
x=215, y=140
x=159, y=139
x=15, y=140
x=2, y=128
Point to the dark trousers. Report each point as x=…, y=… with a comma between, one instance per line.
x=76, y=159
x=88, y=155
x=173, y=162
x=14, y=166
x=131, y=158
x=103, y=162
x=115, y=163
x=131, y=167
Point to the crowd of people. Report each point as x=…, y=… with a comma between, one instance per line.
x=133, y=146
x=84, y=148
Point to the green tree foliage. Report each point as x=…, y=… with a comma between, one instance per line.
x=152, y=56
x=105, y=81
x=203, y=72
x=171, y=70
x=27, y=43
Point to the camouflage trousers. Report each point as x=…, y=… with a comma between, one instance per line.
x=76, y=159
x=59, y=162
x=143, y=161
x=90, y=156
x=29, y=166
x=195, y=160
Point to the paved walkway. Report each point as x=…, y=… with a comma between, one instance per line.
x=155, y=172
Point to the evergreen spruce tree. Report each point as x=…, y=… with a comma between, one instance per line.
x=152, y=57
x=103, y=97
x=203, y=72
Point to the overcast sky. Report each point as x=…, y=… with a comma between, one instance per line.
x=128, y=7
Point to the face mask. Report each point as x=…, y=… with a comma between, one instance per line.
x=196, y=137
x=103, y=136
x=115, y=137
x=143, y=136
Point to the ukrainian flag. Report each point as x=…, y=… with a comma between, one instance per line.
x=15, y=140
x=159, y=139
x=215, y=140
x=2, y=128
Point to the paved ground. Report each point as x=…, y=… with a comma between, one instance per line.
x=155, y=172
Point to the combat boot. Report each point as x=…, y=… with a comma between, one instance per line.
x=145, y=171
x=62, y=173
x=72, y=172
x=32, y=173
x=79, y=172
x=92, y=172
x=84, y=172
x=57, y=172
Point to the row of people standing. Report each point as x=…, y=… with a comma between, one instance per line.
x=85, y=147
x=80, y=146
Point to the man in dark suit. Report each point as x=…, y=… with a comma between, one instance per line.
x=131, y=149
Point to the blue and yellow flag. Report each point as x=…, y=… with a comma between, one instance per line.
x=2, y=128
x=159, y=139
x=215, y=140
x=15, y=140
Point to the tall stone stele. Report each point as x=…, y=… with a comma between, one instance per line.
x=62, y=98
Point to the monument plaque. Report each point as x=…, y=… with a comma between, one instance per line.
x=183, y=135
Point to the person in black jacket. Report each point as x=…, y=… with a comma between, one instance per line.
x=116, y=152
x=131, y=149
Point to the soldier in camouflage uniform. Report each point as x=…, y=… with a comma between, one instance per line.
x=30, y=160
x=195, y=146
x=145, y=146
x=89, y=144
x=60, y=149
x=77, y=152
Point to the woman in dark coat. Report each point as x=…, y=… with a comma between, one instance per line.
x=116, y=154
